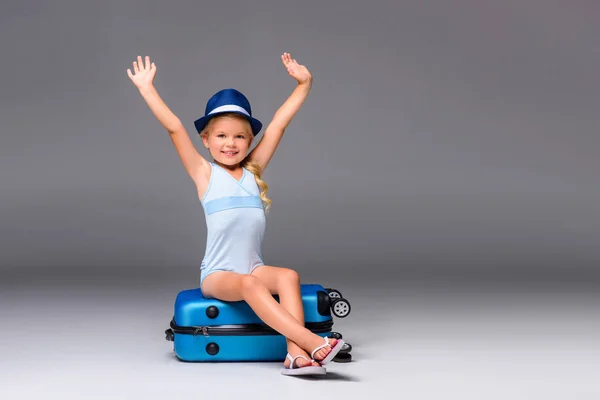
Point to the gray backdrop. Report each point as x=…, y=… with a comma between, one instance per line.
x=438, y=136
x=443, y=174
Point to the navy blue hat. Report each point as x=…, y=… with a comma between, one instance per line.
x=228, y=101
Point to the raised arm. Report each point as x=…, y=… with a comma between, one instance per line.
x=265, y=149
x=143, y=77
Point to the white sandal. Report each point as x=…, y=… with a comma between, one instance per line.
x=296, y=370
x=334, y=350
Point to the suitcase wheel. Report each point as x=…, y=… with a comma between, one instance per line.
x=343, y=357
x=346, y=348
x=169, y=335
x=340, y=308
x=335, y=335
x=333, y=293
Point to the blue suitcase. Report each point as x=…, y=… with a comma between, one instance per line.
x=213, y=330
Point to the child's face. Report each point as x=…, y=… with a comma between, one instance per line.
x=228, y=139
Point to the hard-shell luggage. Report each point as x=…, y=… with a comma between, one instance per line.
x=212, y=330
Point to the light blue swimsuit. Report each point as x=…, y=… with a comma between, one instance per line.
x=235, y=222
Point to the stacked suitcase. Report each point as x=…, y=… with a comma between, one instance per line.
x=212, y=330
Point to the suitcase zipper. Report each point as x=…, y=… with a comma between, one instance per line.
x=243, y=330
x=204, y=331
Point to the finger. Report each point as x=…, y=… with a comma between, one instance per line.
x=129, y=73
x=135, y=67
x=148, y=65
x=140, y=62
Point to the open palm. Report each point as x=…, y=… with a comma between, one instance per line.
x=297, y=71
x=143, y=74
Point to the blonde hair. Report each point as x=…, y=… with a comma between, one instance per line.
x=262, y=185
x=247, y=163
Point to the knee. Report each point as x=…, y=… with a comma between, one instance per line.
x=290, y=277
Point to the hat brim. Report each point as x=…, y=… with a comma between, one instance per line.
x=255, y=124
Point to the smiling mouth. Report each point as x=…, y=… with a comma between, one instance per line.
x=229, y=153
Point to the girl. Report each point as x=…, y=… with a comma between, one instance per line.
x=234, y=199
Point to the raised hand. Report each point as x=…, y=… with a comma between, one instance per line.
x=143, y=74
x=297, y=71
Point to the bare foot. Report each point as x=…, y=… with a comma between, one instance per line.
x=294, y=351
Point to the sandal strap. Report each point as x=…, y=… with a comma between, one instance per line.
x=312, y=355
x=293, y=360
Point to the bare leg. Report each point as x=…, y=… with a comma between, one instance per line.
x=230, y=286
x=286, y=283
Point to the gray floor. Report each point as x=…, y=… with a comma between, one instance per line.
x=99, y=335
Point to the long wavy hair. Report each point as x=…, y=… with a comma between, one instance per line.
x=247, y=163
